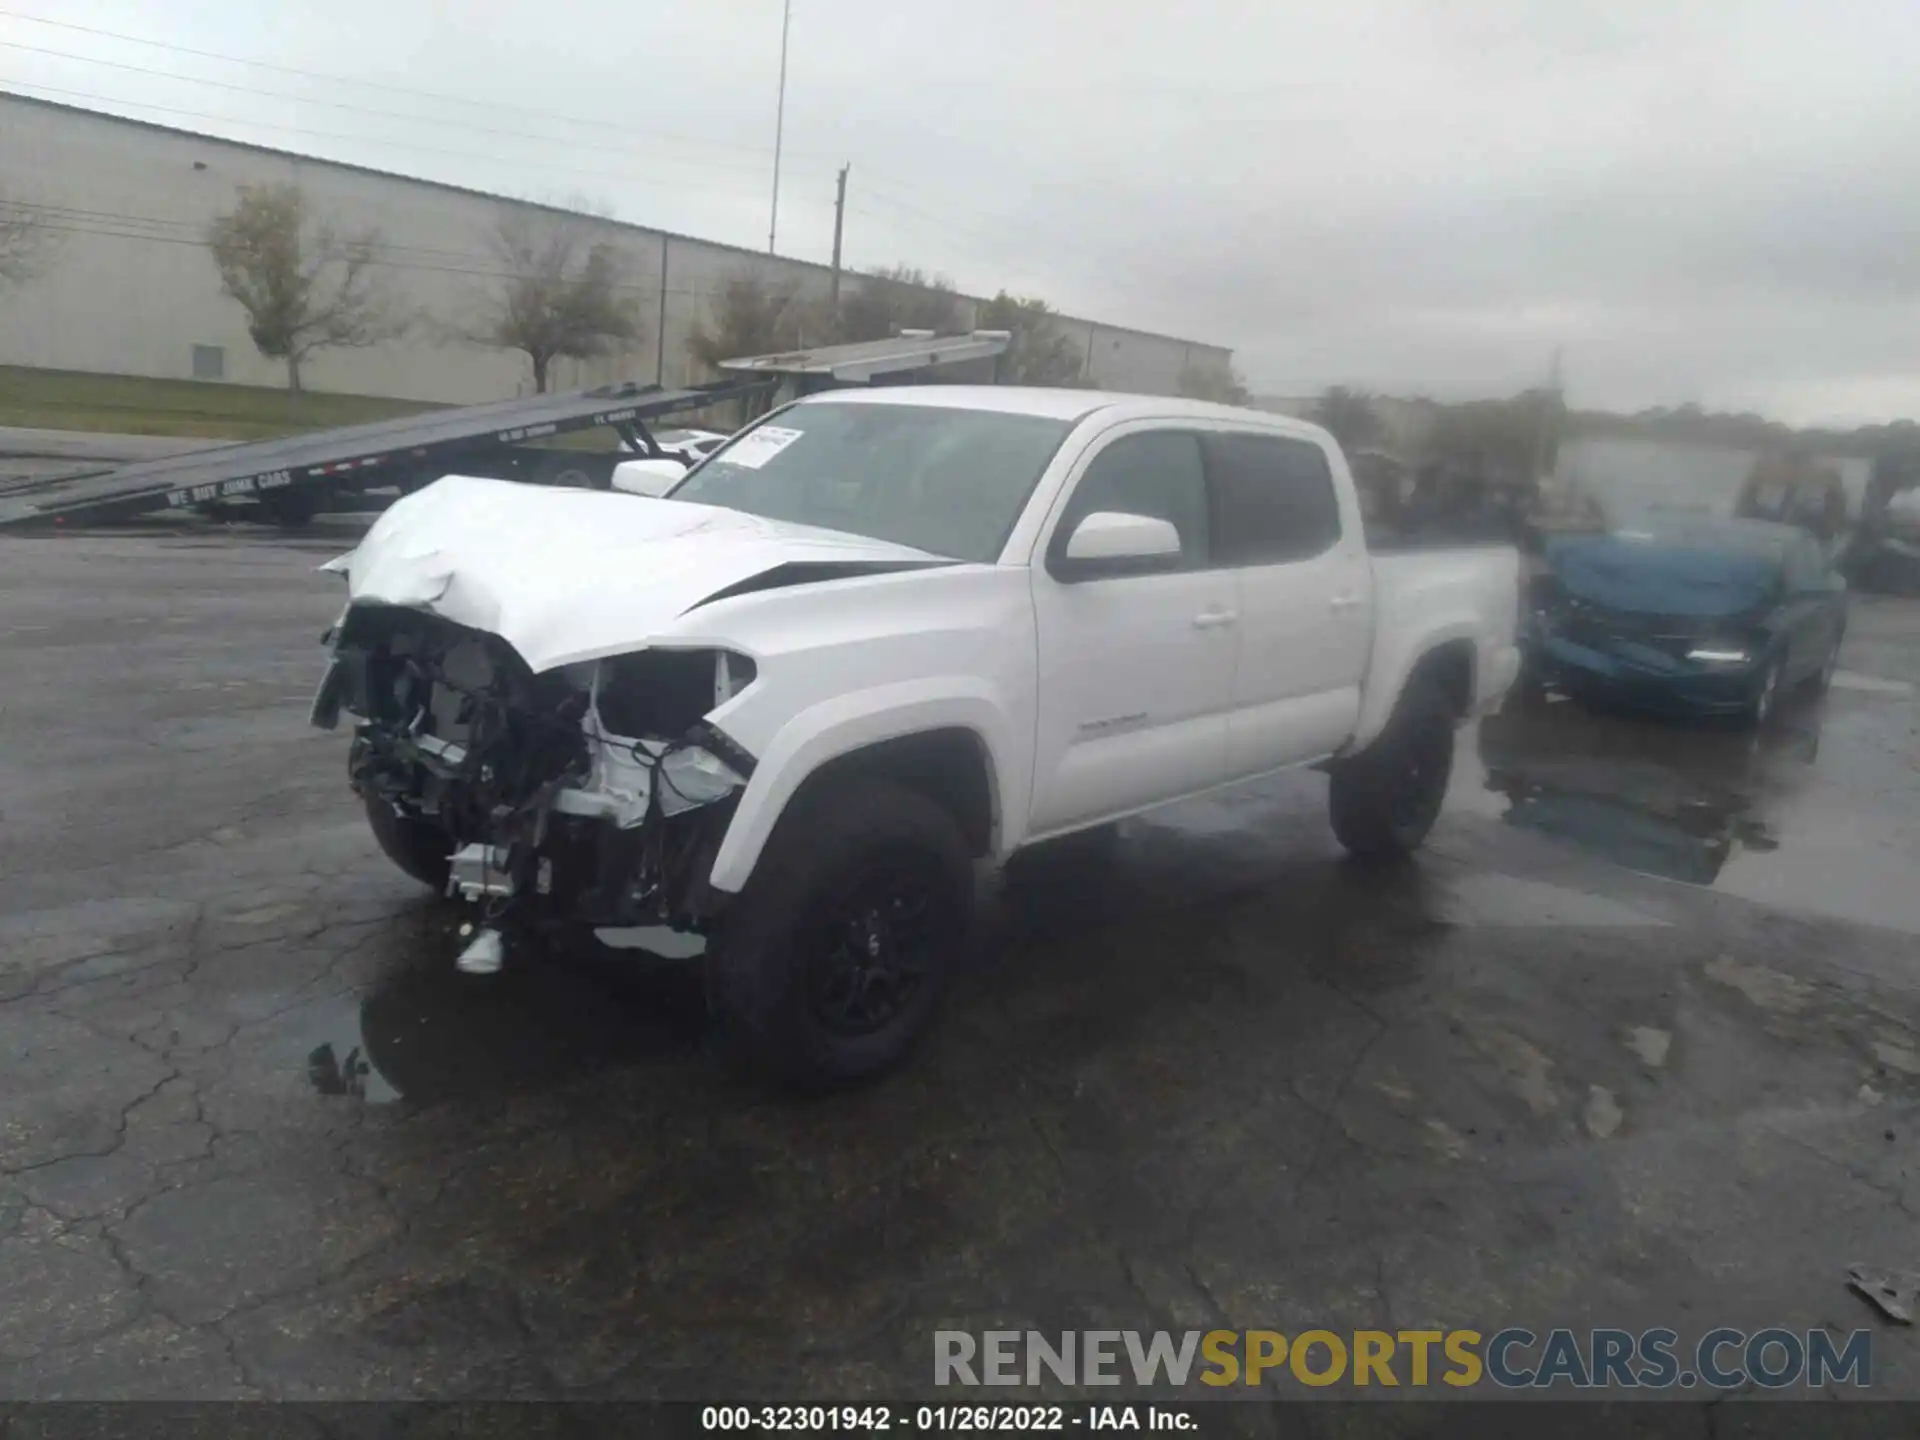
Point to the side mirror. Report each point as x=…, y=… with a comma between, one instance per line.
x=652, y=478
x=1112, y=542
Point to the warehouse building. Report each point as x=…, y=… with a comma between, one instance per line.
x=131, y=289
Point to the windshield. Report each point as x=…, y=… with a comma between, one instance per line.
x=947, y=481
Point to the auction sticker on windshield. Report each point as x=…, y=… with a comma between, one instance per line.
x=755, y=449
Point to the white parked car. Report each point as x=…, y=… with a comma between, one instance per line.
x=655, y=475
x=884, y=635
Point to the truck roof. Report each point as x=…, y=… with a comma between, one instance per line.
x=1059, y=404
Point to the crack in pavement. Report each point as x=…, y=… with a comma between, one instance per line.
x=1892, y=1195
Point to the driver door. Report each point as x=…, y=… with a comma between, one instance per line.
x=1135, y=670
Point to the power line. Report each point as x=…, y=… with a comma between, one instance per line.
x=698, y=291
x=77, y=217
x=543, y=165
x=995, y=241
x=927, y=221
x=112, y=220
x=464, y=125
x=117, y=225
x=972, y=234
x=994, y=244
x=106, y=224
x=490, y=105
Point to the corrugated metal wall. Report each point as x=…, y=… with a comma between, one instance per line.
x=132, y=290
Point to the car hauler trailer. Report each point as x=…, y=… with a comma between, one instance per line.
x=295, y=477
x=913, y=357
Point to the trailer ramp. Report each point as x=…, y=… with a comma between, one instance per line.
x=299, y=468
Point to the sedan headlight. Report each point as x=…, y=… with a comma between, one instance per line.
x=1720, y=652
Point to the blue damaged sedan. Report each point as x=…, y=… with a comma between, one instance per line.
x=1685, y=616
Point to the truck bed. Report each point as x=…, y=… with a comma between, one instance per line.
x=1432, y=596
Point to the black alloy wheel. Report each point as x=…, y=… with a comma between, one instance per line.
x=874, y=947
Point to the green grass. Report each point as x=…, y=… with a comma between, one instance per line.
x=132, y=405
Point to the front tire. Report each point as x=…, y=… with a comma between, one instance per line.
x=416, y=847
x=1529, y=685
x=831, y=962
x=1766, y=698
x=1823, y=677
x=1384, y=800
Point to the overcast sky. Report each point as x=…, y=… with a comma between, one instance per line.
x=1712, y=201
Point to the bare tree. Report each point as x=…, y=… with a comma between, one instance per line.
x=1217, y=382
x=1040, y=353
x=304, y=286
x=563, y=293
x=1517, y=438
x=895, y=298
x=750, y=317
x=1349, y=416
x=26, y=242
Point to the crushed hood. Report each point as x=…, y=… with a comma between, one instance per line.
x=570, y=575
x=1635, y=576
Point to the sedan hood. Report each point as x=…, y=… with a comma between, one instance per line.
x=565, y=576
x=1635, y=576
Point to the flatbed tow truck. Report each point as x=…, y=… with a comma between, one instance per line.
x=291, y=479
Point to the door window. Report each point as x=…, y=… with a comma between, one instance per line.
x=1275, y=497
x=1157, y=474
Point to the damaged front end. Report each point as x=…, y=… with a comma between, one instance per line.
x=589, y=795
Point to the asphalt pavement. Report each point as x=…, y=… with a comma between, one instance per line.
x=1635, y=1042
x=28, y=454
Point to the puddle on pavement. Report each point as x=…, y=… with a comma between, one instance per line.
x=425, y=1032
x=656, y=941
x=1762, y=817
x=1490, y=899
x=1870, y=684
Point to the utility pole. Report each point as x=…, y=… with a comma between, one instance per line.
x=779, y=121
x=839, y=222
x=1549, y=404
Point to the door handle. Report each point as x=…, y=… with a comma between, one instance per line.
x=1344, y=602
x=1214, y=619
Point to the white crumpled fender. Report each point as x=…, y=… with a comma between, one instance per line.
x=566, y=576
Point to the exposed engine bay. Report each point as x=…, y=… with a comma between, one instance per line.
x=592, y=794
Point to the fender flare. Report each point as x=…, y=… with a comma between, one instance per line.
x=845, y=724
x=1393, y=665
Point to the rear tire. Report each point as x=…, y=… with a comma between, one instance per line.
x=416, y=847
x=294, y=509
x=1384, y=800
x=831, y=963
x=575, y=470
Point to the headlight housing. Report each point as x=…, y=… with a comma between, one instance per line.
x=1720, y=652
x=665, y=693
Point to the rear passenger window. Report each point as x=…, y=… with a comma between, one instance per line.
x=1275, y=499
x=1157, y=474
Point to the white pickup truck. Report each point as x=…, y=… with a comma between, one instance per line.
x=875, y=638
